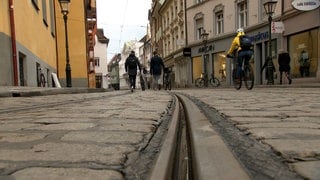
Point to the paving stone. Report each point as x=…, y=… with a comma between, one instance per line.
x=118, y=137
x=21, y=137
x=310, y=170
x=68, y=153
x=38, y=173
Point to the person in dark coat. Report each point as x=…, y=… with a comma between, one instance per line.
x=284, y=65
x=131, y=66
x=156, y=66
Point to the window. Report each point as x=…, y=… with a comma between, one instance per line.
x=198, y=1
x=172, y=14
x=44, y=12
x=219, y=22
x=303, y=49
x=97, y=62
x=199, y=28
x=242, y=11
x=198, y=25
x=35, y=4
x=52, y=19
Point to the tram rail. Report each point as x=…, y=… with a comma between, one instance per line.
x=207, y=155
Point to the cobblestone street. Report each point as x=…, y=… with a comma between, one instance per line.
x=287, y=119
x=91, y=135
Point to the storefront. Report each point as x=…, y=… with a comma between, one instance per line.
x=202, y=60
x=303, y=44
x=303, y=48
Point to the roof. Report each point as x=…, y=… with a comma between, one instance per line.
x=101, y=37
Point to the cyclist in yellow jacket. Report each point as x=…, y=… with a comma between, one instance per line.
x=243, y=52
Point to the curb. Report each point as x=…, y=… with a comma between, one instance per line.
x=29, y=92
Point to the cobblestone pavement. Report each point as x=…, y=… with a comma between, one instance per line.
x=287, y=119
x=42, y=143
x=77, y=139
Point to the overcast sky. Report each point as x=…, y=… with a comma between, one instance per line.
x=122, y=21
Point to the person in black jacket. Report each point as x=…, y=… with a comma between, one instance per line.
x=284, y=65
x=156, y=66
x=131, y=65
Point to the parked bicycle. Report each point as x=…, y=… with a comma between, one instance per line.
x=203, y=81
x=246, y=75
x=41, y=78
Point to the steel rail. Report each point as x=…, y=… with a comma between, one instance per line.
x=209, y=156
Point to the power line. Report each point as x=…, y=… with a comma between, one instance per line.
x=124, y=19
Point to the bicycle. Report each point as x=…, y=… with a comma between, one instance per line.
x=203, y=80
x=41, y=79
x=246, y=75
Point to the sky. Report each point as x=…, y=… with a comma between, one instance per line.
x=122, y=21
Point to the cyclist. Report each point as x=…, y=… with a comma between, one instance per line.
x=243, y=51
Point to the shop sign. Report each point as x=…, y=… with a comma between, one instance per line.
x=187, y=52
x=306, y=5
x=206, y=49
x=277, y=27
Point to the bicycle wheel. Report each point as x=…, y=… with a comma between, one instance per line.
x=215, y=82
x=248, y=77
x=42, y=80
x=236, y=80
x=199, y=82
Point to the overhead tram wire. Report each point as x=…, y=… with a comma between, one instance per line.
x=123, y=21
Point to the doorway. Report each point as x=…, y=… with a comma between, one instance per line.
x=21, y=69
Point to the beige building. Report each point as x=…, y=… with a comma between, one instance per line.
x=220, y=19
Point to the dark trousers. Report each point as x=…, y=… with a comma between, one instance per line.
x=132, y=80
x=243, y=55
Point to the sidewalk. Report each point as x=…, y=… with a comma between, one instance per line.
x=19, y=91
x=24, y=91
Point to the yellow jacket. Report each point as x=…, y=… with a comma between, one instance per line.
x=235, y=43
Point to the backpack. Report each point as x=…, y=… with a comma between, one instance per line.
x=245, y=42
x=132, y=64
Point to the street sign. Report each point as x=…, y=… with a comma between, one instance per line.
x=306, y=5
x=277, y=27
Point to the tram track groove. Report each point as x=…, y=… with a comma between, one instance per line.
x=260, y=161
x=207, y=154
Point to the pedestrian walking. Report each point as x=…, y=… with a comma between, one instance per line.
x=284, y=65
x=156, y=67
x=304, y=64
x=131, y=66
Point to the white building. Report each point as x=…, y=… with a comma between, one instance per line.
x=100, y=50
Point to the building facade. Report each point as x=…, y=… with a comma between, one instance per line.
x=81, y=38
x=220, y=19
x=33, y=43
x=27, y=42
x=100, y=59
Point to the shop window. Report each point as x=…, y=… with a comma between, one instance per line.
x=303, y=50
x=196, y=67
x=219, y=66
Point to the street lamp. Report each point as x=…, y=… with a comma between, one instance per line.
x=269, y=7
x=204, y=37
x=64, y=4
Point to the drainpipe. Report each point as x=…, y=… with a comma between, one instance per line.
x=13, y=44
x=185, y=23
